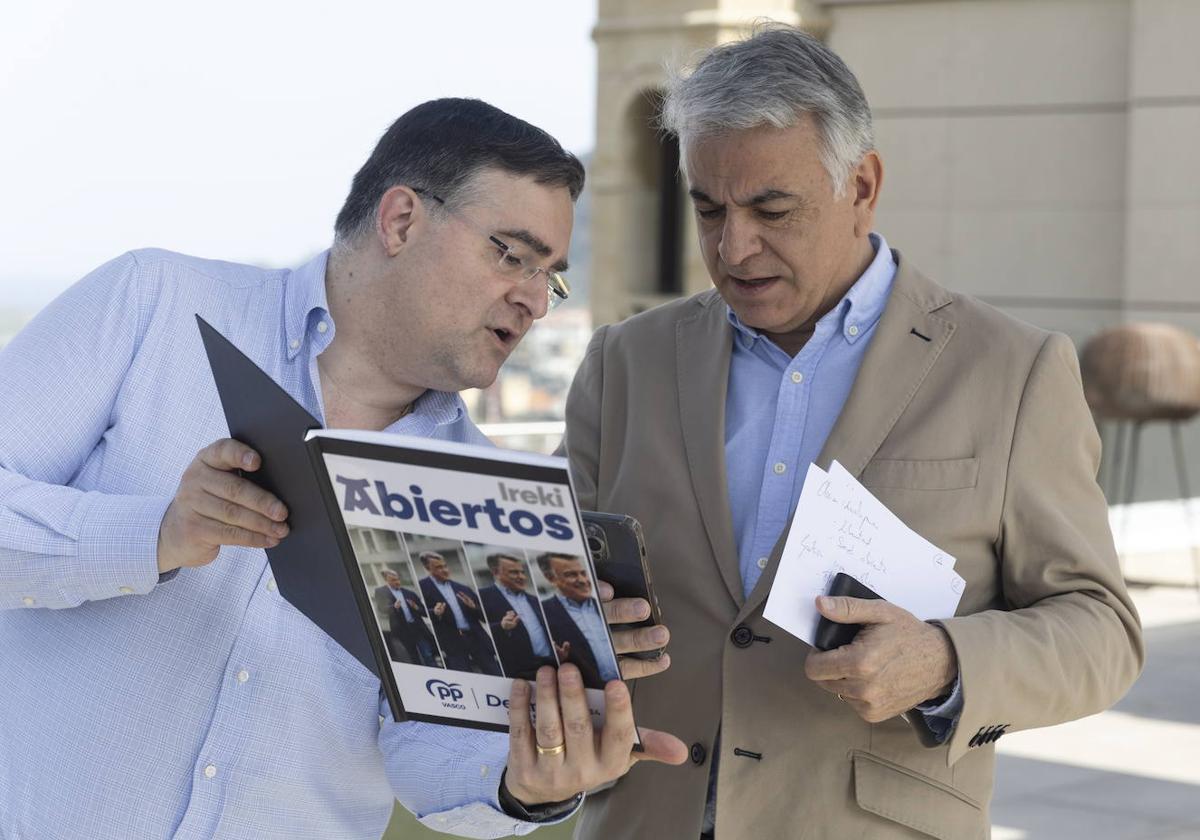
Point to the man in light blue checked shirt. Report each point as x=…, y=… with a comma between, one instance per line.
x=151, y=675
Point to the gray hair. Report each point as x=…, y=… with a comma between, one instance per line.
x=773, y=78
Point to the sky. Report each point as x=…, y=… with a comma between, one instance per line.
x=232, y=130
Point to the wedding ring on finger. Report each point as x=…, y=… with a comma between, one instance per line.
x=555, y=750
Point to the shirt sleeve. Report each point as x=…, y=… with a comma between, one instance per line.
x=942, y=717
x=449, y=777
x=61, y=378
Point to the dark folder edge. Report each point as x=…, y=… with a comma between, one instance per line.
x=261, y=414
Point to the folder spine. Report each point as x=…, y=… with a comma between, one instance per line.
x=383, y=662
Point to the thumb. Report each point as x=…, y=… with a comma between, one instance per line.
x=661, y=746
x=844, y=610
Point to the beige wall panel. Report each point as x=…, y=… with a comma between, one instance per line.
x=1042, y=162
x=1027, y=252
x=1164, y=164
x=920, y=236
x=1164, y=254
x=975, y=53
x=1163, y=244
x=916, y=155
x=1165, y=58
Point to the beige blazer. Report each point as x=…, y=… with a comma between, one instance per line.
x=972, y=428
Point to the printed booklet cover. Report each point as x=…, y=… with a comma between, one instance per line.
x=447, y=569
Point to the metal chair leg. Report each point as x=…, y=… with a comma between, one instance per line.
x=1112, y=487
x=1135, y=435
x=1185, y=499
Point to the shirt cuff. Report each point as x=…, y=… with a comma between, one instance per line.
x=117, y=547
x=942, y=717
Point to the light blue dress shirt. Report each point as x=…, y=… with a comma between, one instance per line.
x=205, y=706
x=586, y=615
x=451, y=597
x=402, y=600
x=530, y=619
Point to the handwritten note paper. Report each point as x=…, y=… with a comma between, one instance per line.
x=840, y=527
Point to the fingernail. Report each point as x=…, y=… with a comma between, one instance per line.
x=520, y=689
x=659, y=635
x=277, y=511
x=248, y=459
x=280, y=529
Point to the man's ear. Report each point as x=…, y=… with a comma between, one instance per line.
x=865, y=183
x=400, y=210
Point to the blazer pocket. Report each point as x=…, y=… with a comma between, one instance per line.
x=923, y=804
x=955, y=474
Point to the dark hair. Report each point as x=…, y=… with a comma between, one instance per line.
x=493, y=560
x=441, y=145
x=427, y=556
x=543, y=561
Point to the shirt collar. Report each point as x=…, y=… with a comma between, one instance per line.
x=859, y=308
x=430, y=410
x=305, y=302
x=574, y=605
x=304, y=294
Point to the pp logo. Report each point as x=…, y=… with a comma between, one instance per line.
x=444, y=691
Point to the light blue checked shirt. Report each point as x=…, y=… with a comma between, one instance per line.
x=205, y=706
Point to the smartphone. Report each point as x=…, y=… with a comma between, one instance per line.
x=619, y=556
x=830, y=634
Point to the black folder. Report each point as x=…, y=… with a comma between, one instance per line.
x=309, y=563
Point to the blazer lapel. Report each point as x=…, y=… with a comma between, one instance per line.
x=908, y=340
x=703, y=345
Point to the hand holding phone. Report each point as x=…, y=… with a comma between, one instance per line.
x=830, y=634
x=619, y=557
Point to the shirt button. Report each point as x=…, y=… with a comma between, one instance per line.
x=780, y=468
x=271, y=587
x=294, y=344
x=322, y=327
x=483, y=771
x=852, y=329
x=797, y=377
x=761, y=562
x=210, y=771
x=27, y=601
x=125, y=590
x=243, y=675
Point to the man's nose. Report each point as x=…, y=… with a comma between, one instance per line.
x=532, y=294
x=739, y=240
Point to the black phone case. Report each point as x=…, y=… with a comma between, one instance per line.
x=626, y=569
x=830, y=634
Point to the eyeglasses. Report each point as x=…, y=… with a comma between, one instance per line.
x=511, y=262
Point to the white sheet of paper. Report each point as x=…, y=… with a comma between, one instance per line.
x=840, y=527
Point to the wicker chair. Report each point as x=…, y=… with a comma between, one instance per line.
x=1136, y=374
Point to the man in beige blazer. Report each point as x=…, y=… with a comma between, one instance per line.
x=968, y=424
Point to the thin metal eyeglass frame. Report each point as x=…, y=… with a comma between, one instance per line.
x=557, y=288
